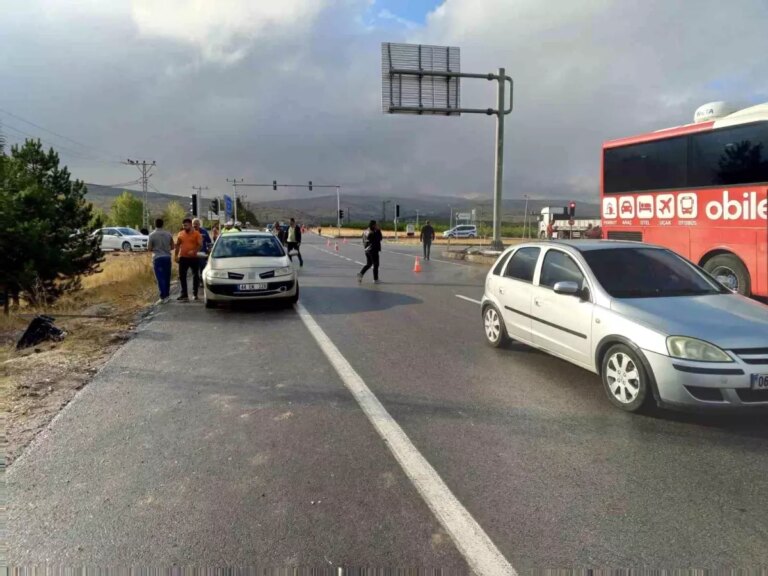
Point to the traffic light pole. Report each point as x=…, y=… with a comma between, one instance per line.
x=275, y=186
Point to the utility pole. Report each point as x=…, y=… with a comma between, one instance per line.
x=146, y=171
x=199, y=199
x=417, y=218
x=234, y=182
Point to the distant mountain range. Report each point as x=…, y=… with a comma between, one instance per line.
x=358, y=207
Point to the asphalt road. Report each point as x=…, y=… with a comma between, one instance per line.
x=227, y=437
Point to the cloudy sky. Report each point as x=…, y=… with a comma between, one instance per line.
x=290, y=89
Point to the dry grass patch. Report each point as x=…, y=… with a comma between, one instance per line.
x=37, y=382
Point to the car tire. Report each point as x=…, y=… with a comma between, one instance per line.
x=209, y=304
x=126, y=246
x=493, y=326
x=295, y=298
x=625, y=380
x=732, y=267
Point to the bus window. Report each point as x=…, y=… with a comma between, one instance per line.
x=737, y=155
x=656, y=165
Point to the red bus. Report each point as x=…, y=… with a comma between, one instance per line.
x=699, y=189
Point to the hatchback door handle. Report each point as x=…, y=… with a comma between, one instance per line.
x=501, y=290
x=537, y=301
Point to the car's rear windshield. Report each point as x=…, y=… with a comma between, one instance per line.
x=247, y=246
x=129, y=232
x=648, y=273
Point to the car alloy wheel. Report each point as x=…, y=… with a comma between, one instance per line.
x=126, y=246
x=494, y=328
x=624, y=378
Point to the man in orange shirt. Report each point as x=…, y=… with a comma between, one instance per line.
x=188, y=244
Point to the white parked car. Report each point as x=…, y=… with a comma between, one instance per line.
x=121, y=238
x=249, y=266
x=461, y=231
x=654, y=326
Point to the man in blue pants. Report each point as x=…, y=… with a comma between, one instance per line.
x=160, y=243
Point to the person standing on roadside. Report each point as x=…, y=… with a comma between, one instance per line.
x=188, y=243
x=427, y=236
x=203, y=254
x=160, y=243
x=293, y=241
x=215, y=232
x=372, y=245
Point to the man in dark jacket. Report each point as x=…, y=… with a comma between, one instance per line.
x=372, y=245
x=427, y=235
x=293, y=240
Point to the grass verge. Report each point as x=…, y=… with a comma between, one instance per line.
x=36, y=383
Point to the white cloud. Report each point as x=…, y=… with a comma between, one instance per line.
x=223, y=30
x=385, y=14
x=300, y=96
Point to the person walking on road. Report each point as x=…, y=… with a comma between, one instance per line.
x=160, y=243
x=427, y=236
x=203, y=254
x=372, y=245
x=188, y=243
x=293, y=241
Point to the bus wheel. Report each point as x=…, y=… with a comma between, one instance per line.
x=731, y=272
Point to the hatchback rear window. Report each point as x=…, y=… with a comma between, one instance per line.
x=523, y=264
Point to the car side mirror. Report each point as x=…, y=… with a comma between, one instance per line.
x=567, y=287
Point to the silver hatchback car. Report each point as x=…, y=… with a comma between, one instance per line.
x=654, y=326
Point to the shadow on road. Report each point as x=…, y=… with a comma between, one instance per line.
x=365, y=298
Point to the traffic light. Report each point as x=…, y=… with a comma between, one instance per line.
x=310, y=185
x=274, y=185
x=397, y=210
x=214, y=206
x=194, y=204
x=571, y=210
x=341, y=214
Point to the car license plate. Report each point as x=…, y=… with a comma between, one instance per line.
x=759, y=381
x=251, y=287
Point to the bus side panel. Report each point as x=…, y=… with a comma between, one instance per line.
x=678, y=242
x=761, y=288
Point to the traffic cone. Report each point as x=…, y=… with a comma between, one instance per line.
x=417, y=265
x=337, y=246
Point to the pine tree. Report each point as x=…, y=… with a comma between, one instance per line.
x=46, y=245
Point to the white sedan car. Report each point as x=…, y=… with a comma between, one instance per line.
x=121, y=238
x=249, y=266
x=655, y=327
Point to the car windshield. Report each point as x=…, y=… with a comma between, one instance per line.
x=648, y=273
x=247, y=246
x=128, y=232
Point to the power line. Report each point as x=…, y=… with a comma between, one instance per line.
x=58, y=147
x=72, y=140
x=121, y=184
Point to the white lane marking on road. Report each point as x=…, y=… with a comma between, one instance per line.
x=359, y=263
x=474, y=544
x=467, y=298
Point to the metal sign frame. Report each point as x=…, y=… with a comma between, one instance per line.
x=392, y=75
